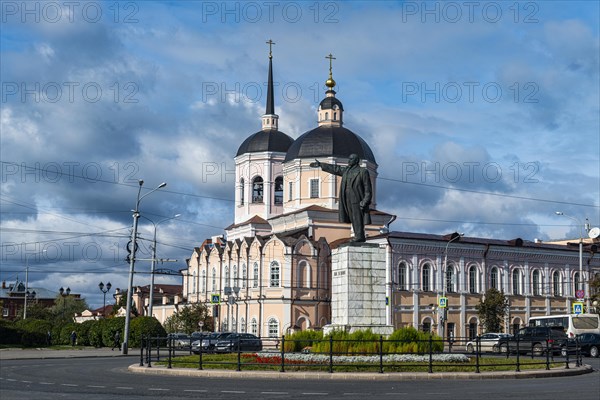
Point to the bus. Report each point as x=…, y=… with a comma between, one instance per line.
x=573, y=324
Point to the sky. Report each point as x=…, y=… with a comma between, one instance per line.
x=483, y=118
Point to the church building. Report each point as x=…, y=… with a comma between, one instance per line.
x=271, y=272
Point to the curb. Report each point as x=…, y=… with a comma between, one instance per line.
x=344, y=376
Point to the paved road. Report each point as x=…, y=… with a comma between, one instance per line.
x=105, y=376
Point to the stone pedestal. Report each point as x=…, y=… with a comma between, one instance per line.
x=358, y=295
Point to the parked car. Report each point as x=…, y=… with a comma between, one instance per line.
x=239, y=342
x=487, y=342
x=589, y=344
x=180, y=340
x=534, y=339
x=209, y=340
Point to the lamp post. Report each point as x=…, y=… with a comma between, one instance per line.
x=151, y=300
x=444, y=310
x=136, y=216
x=64, y=293
x=579, y=284
x=104, y=291
x=25, y=297
x=233, y=295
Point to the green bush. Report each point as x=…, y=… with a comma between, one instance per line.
x=33, y=332
x=94, y=333
x=144, y=326
x=405, y=340
x=299, y=340
x=9, y=332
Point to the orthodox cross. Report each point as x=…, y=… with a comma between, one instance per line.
x=270, y=43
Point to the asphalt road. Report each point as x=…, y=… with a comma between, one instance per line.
x=108, y=378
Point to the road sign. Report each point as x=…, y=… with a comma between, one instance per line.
x=580, y=294
x=215, y=298
x=577, y=308
x=443, y=302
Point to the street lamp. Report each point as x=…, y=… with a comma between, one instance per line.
x=27, y=282
x=151, y=300
x=64, y=294
x=444, y=310
x=579, y=284
x=104, y=291
x=136, y=216
x=232, y=297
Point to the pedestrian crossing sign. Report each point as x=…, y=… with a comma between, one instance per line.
x=443, y=302
x=215, y=298
x=578, y=308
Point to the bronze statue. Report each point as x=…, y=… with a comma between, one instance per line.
x=355, y=194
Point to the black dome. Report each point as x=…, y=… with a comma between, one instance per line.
x=328, y=102
x=271, y=140
x=327, y=141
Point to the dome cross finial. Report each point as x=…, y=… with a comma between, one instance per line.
x=330, y=83
x=270, y=43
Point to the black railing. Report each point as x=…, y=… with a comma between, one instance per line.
x=428, y=355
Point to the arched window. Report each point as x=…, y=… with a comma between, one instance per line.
x=576, y=282
x=194, y=282
x=226, y=281
x=494, y=278
x=236, y=281
x=255, y=275
x=244, y=275
x=273, y=328
x=274, y=274
x=203, y=283
x=257, y=190
x=278, y=193
x=214, y=279
x=472, y=279
x=323, y=277
x=402, y=272
x=326, y=116
x=556, y=286
x=254, y=326
x=242, y=325
x=426, y=278
x=516, y=282
x=303, y=274
x=536, y=283
x=450, y=279
x=242, y=197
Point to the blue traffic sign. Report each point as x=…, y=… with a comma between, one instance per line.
x=577, y=308
x=443, y=302
x=215, y=298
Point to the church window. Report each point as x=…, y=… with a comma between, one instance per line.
x=226, y=282
x=494, y=279
x=236, y=281
x=314, y=188
x=516, y=281
x=279, y=190
x=254, y=326
x=334, y=116
x=450, y=279
x=244, y=275
x=242, y=199
x=203, y=283
x=273, y=328
x=255, y=276
x=326, y=116
x=425, y=278
x=274, y=274
x=576, y=282
x=556, y=286
x=194, y=282
x=214, y=280
x=536, y=283
x=257, y=190
x=402, y=270
x=290, y=191
x=472, y=279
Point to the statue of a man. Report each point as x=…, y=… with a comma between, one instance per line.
x=355, y=194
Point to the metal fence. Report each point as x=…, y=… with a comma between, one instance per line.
x=164, y=349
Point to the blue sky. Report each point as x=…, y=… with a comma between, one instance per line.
x=483, y=118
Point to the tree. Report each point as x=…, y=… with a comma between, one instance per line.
x=186, y=319
x=491, y=310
